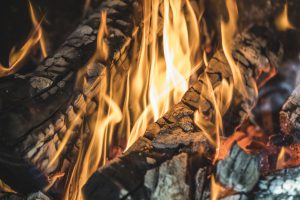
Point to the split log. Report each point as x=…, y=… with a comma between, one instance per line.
x=176, y=131
x=36, y=109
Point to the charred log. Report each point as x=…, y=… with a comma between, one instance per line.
x=176, y=131
x=36, y=109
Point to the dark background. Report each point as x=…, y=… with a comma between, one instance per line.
x=61, y=16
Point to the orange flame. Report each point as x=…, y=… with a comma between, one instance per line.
x=166, y=74
x=16, y=57
x=215, y=189
x=281, y=158
x=282, y=22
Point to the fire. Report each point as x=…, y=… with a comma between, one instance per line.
x=132, y=97
x=281, y=158
x=91, y=154
x=170, y=64
x=215, y=189
x=221, y=96
x=288, y=156
x=282, y=22
x=17, y=57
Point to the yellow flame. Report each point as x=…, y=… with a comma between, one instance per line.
x=166, y=74
x=92, y=153
x=16, y=57
x=215, y=189
x=281, y=158
x=228, y=31
x=282, y=22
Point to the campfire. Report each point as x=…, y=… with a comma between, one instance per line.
x=158, y=99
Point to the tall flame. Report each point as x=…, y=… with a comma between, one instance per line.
x=91, y=153
x=16, y=57
x=164, y=66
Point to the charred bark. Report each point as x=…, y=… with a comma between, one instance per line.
x=37, y=108
x=176, y=131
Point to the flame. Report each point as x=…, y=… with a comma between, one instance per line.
x=288, y=156
x=162, y=60
x=281, y=158
x=282, y=22
x=165, y=75
x=228, y=31
x=215, y=189
x=221, y=95
x=16, y=57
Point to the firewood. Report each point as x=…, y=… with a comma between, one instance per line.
x=37, y=108
x=176, y=131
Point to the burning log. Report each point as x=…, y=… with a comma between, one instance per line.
x=38, y=108
x=176, y=131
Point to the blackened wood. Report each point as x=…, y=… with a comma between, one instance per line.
x=37, y=108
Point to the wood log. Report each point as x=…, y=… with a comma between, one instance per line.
x=176, y=131
x=37, y=108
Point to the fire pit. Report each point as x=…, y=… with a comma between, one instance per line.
x=161, y=99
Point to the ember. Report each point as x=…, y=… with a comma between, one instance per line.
x=160, y=99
